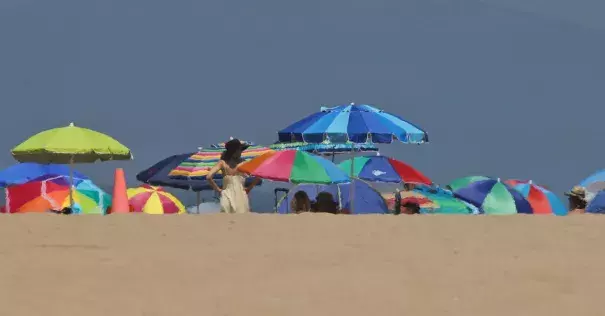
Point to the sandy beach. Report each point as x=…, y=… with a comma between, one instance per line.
x=300, y=265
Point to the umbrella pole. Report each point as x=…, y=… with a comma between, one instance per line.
x=71, y=183
x=197, y=199
x=352, y=185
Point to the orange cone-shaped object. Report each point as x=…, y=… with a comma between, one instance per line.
x=119, y=202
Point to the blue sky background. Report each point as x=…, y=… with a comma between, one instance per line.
x=510, y=89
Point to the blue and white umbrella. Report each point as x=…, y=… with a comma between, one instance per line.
x=594, y=184
x=353, y=123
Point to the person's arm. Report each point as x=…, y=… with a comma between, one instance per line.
x=252, y=184
x=210, y=177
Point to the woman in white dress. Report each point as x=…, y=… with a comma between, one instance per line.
x=234, y=195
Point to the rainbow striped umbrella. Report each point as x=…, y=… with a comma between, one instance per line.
x=199, y=164
x=294, y=166
x=542, y=201
x=42, y=196
x=154, y=200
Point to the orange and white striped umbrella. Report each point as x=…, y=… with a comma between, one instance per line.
x=154, y=200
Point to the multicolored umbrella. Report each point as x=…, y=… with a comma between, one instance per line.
x=326, y=147
x=515, y=182
x=28, y=171
x=430, y=202
x=355, y=123
x=42, y=196
x=465, y=181
x=594, y=184
x=494, y=197
x=198, y=165
x=294, y=166
x=383, y=169
x=69, y=145
x=542, y=201
x=154, y=200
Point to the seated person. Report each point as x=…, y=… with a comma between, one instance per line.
x=325, y=203
x=410, y=208
x=300, y=203
x=577, y=200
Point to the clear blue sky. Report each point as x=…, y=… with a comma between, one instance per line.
x=504, y=88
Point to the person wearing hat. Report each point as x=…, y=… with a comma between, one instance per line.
x=577, y=200
x=234, y=195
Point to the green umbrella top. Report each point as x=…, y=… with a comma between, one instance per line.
x=465, y=181
x=70, y=144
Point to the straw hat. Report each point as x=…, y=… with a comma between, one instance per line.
x=577, y=191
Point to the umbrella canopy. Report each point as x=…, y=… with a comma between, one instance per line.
x=355, y=123
x=294, y=166
x=432, y=202
x=154, y=200
x=494, y=197
x=541, y=200
x=42, y=196
x=383, y=169
x=25, y=172
x=70, y=144
x=367, y=200
x=597, y=205
x=198, y=165
x=465, y=181
x=158, y=175
x=594, y=184
x=326, y=147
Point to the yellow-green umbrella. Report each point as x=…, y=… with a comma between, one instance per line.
x=69, y=145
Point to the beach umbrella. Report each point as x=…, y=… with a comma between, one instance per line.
x=383, y=169
x=29, y=171
x=494, y=197
x=294, y=166
x=69, y=145
x=435, y=202
x=465, y=181
x=594, y=184
x=597, y=205
x=515, y=182
x=154, y=200
x=198, y=165
x=42, y=196
x=541, y=200
x=355, y=123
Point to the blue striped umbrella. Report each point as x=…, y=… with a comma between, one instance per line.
x=353, y=123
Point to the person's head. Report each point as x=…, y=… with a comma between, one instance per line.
x=233, y=150
x=325, y=203
x=409, y=186
x=410, y=208
x=577, y=198
x=301, y=202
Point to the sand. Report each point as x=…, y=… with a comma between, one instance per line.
x=300, y=265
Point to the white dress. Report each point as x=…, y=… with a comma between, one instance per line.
x=234, y=199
